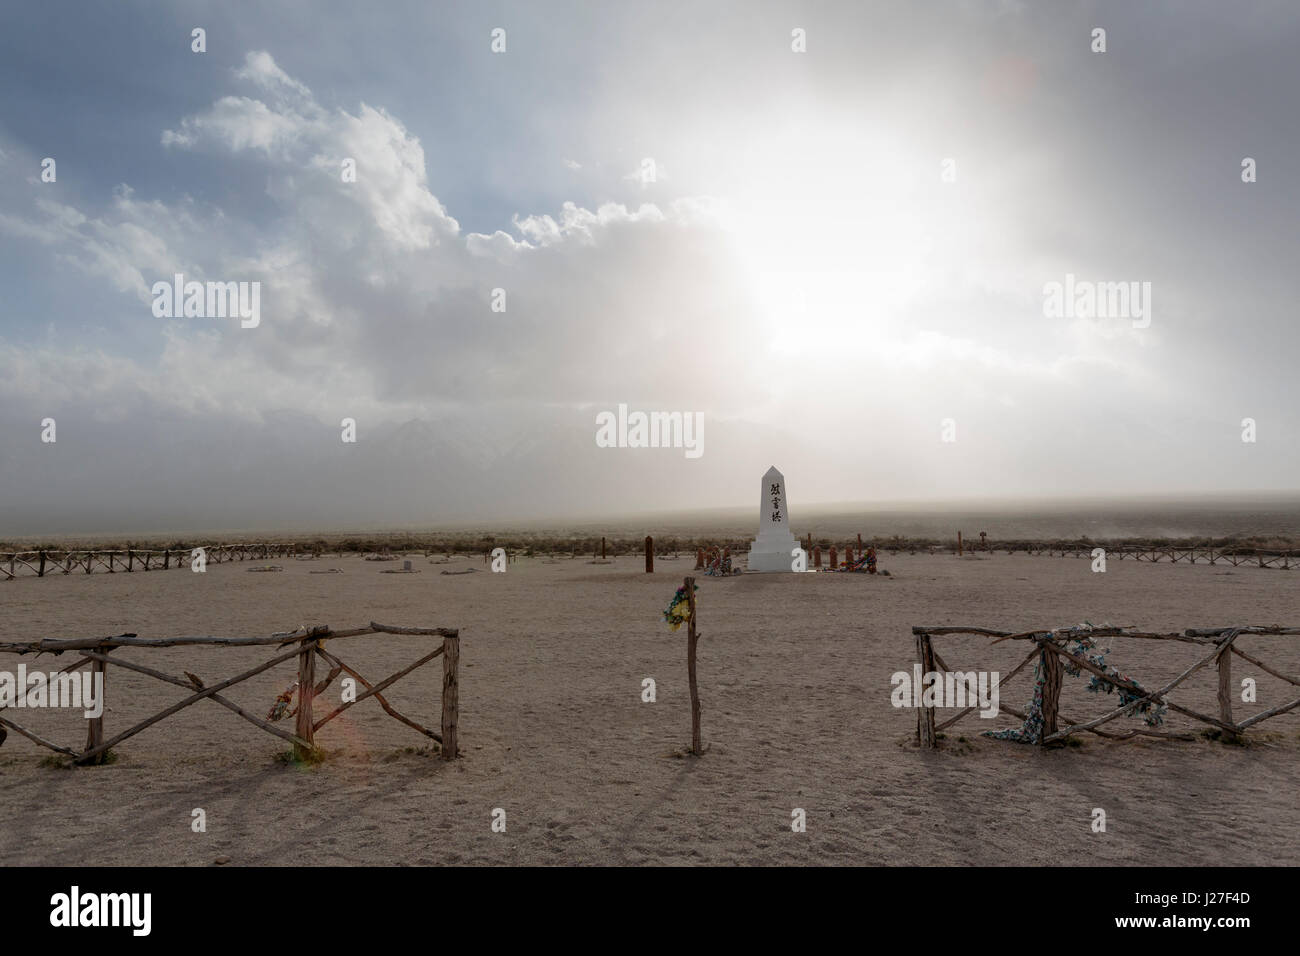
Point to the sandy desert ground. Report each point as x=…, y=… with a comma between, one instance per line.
x=794, y=673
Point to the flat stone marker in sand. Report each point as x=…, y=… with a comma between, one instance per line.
x=770, y=551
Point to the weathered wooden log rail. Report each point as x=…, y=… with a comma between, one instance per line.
x=65, y=561
x=1049, y=651
x=309, y=645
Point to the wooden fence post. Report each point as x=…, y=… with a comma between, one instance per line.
x=649, y=554
x=925, y=734
x=95, y=726
x=817, y=557
x=41, y=572
x=834, y=564
x=959, y=544
x=602, y=549
x=450, y=694
x=1225, y=689
x=1051, y=665
x=691, y=639
x=699, y=558
x=306, y=691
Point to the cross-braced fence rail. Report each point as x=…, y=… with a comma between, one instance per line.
x=1068, y=650
x=308, y=645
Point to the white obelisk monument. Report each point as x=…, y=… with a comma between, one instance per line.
x=770, y=551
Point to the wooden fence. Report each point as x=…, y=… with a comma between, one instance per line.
x=1282, y=558
x=48, y=560
x=1234, y=556
x=308, y=646
x=38, y=563
x=1048, y=649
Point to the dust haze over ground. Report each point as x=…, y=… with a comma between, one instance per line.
x=1263, y=517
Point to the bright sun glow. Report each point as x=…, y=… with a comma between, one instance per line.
x=833, y=239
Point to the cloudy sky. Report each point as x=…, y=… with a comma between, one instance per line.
x=837, y=256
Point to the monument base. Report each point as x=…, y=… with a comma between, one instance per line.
x=771, y=556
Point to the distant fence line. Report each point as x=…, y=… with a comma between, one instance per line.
x=38, y=563
x=1284, y=559
x=1260, y=557
x=65, y=561
x=45, y=561
x=1066, y=650
x=309, y=645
